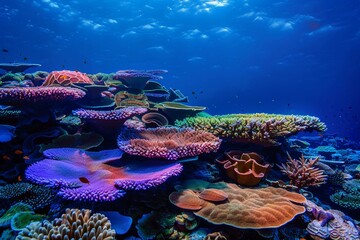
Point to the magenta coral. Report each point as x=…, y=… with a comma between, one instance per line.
x=27, y=95
x=119, y=114
x=167, y=142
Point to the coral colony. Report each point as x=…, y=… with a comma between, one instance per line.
x=120, y=156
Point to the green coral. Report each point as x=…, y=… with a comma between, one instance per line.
x=258, y=127
x=5, y=219
x=350, y=197
x=22, y=219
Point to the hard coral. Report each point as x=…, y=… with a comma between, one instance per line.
x=85, y=176
x=303, y=173
x=167, y=142
x=32, y=95
x=74, y=224
x=247, y=169
x=66, y=78
x=247, y=208
x=257, y=128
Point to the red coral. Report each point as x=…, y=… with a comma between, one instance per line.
x=302, y=172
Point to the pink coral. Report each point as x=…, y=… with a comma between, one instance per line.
x=167, y=142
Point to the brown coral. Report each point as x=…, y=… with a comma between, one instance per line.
x=74, y=224
x=247, y=169
x=302, y=172
x=251, y=208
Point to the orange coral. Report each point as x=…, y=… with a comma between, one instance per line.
x=250, y=208
x=303, y=173
x=245, y=168
x=66, y=78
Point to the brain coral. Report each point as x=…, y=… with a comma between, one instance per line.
x=66, y=78
x=167, y=142
x=258, y=128
x=74, y=224
x=248, y=208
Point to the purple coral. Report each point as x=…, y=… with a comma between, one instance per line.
x=113, y=115
x=147, y=174
x=86, y=176
x=138, y=78
x=30, y=95
x=167, y=142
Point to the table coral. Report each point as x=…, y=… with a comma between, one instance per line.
x=167, y=142
x=257, y=128
x=302, y=172
x=247, y=169
x=248, y=208
x=85, y=176
x=32, y=95
x=137, y=79
x=66, y=78
x=112, y=115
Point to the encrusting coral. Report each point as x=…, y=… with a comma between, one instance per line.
x=303, y=173
x=74, y=224
x=257, y=128
x=167, y=142
x=244, y=208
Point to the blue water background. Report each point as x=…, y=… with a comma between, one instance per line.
x=235, y=56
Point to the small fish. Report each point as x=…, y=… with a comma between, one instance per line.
x=85, y=62
x=26, y=157
x=6, y=158
x=63, y=66
x=18, y=152
x=193, y=93
x=84, y=180
x=5, y=50
x=25, y=58
x=19, y=178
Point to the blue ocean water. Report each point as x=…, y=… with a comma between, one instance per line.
x=291, y=57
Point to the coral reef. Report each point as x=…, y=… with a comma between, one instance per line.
x=302, y=172
x=330, y=224
x=349, y=198
x=167, y=142
x=257, y=128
